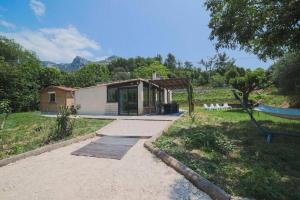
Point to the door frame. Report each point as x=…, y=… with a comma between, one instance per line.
x=119, y=101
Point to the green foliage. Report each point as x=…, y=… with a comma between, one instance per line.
x=217, y=80
x=170, y=62
x=25, y=131
x=210, y=141
x=286, y=73
x=220, y=63
x=266, y=183
x=230, y=74
x=64, y=125
x=253, y=80
x=49, y=76
x=147, y=71
x=121, y=76
x=5, y=106
x=227, y=149
x=266, y=28
x=19, y=76
x=86, y=76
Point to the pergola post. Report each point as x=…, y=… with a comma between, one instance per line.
x=178, y=83
x=190, y=98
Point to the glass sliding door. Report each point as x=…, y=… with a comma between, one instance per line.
x=128, y=101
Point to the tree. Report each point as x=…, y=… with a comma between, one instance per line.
x=188, y=65
x=217, y=80
x=285, y=74
x=266, y=28
x=91, y=74
x=253, y=80
x=170, y=62
x=231, y=73
x=50, y=76
x=19, y=74
x=147, y=71
x=159, y=58
x=121, y=76
x=222, y=63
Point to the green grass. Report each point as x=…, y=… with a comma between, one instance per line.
x=226, y=148
x=205, y=95
x=269, y=96
x=29, y=130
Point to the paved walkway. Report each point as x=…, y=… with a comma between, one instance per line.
x=59, y=175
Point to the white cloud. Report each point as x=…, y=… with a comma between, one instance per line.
x=38, y=7
x=7, y=24
x=56, y=44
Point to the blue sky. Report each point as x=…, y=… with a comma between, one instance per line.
x=58, y=30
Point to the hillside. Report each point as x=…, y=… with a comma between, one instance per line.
x=76, y=64
x=208, y=95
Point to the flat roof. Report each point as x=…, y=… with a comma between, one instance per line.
x=67, y=89
x=119, y=83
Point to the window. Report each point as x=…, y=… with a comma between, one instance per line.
x=146, y=95
x=52, y=98
x=112, y=94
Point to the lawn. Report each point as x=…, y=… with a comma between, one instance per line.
x=29, y=130
x=208, y=95
x=226, y=148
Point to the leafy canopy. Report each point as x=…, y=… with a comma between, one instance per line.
x=266, y=28
x=252, y=80
x=147, y=71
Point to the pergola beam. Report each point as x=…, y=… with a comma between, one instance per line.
x=178, y=83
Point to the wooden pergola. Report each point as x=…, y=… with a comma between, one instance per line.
x=178, y=83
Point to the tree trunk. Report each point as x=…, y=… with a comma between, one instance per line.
x=245, y=99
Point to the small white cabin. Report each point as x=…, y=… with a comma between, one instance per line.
x=130, y=97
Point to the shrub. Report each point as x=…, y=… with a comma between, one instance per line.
x=210, y=140
x=64, y=125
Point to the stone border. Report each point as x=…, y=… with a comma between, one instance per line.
x=200, y=182
x=44, y=149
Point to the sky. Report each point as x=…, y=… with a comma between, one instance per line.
x=59, y=30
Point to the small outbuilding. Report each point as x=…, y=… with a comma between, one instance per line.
x=52, y=97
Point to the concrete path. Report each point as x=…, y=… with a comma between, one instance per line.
x=134, y=128
x=59, y=175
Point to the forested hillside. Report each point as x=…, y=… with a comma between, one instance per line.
x=22, y=74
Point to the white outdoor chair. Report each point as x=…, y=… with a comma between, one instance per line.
x=206, y=107
x=226, y=106
x=218, y=107
x=212, y=107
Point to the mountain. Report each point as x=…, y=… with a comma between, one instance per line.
x=48, y=63
x=77, y=63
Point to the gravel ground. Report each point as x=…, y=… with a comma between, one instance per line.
x=59, y=175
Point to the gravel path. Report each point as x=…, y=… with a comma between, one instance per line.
x=59, y=175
